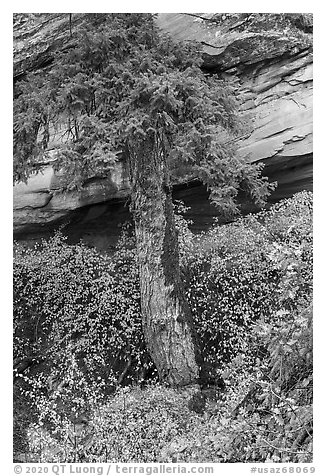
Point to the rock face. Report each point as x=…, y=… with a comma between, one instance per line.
x=273, y=68
x=269, y=59
x=39, y=202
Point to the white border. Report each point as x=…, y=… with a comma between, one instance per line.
x=230, y=6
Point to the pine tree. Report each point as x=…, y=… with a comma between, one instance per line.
x=126, y=92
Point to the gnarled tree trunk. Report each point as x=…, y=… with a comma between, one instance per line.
x=167, y=319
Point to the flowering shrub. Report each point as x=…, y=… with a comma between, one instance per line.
x=72, y=296
x=134, y=426
x=80, y=351
x=77, y=324
x=246, y=271
x=266, y=414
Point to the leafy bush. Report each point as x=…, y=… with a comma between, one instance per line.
x=266, y=414
x=246, y=271
x=136, y=425
x=77, y=329
x=71, y=296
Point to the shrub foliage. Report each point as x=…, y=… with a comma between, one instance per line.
x=81, y=360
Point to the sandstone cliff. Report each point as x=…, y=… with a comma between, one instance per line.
x=269, y=57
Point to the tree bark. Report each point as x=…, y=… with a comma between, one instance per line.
x=166, y=316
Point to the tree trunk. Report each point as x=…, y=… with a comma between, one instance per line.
x=167, y=320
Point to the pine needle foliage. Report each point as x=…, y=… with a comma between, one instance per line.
x=125, y=90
